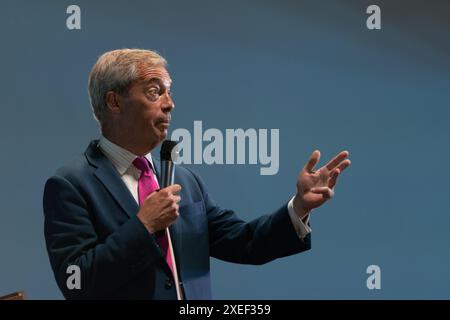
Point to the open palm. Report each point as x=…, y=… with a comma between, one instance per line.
x=314, y=187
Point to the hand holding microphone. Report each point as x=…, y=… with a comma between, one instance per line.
x=160, y=209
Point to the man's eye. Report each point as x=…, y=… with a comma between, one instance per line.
x=153, y=93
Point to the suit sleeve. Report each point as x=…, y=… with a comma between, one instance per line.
x=71, y=239
x=264, y=239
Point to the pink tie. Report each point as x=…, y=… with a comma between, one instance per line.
x=146, y=185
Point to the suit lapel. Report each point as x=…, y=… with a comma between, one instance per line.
x=107, y=174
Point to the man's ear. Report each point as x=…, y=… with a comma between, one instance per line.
x=112, y=102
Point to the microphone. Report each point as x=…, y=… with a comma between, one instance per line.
x=168, y=155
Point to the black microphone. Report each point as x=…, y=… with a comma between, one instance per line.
x=168, y=156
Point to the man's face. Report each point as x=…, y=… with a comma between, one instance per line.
x=147, y=106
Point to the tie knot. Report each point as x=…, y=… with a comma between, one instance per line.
x=142, y=164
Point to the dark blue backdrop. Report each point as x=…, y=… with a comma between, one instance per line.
x=311, y=69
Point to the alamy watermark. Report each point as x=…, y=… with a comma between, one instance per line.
x=374, y=20
x=73, y=21
x=234, y=146
x=74, y=279
x=374, y=280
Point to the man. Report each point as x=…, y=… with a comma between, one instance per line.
x=105, y=215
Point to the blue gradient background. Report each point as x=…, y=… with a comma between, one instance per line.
x=311, y=69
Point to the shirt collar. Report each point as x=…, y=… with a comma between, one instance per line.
x=121, y=158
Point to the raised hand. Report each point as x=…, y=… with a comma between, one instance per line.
x=314, y=187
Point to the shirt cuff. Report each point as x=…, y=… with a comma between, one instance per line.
x=301, y=226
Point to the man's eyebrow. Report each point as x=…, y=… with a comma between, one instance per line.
x=154, y=79
x=159, y=81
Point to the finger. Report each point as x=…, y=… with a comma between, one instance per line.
x=344, y=164
x=337, y=160
x=176, y=198
x=313, y=160
x=174, y=188
x=172, y=208
x=325, y=191
x=333, y=179
x=177, y=212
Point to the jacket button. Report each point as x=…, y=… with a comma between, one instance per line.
x=168, y=283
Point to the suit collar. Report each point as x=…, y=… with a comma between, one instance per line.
x=110, y=178
x=120, y=157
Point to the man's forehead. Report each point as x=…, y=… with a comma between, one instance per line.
x=156, y=73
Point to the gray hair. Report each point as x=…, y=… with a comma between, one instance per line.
x=115, y=71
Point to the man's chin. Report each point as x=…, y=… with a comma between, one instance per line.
x=162, y=135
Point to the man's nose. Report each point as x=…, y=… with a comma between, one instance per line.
x=168, y=104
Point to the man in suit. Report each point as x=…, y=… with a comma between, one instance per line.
x=105, y=213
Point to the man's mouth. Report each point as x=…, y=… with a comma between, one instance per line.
x=166, y=121
x=165, y=124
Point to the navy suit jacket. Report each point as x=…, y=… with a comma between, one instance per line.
x=91, y=222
